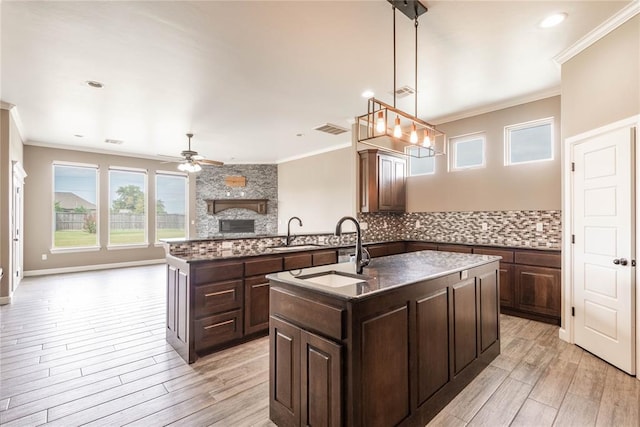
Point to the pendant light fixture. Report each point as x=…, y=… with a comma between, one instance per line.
x=373, y=129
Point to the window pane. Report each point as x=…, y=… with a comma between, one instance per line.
x=469, y=153
x=531, y=143
x=420, y=165
x=127, y=213
x=171, y=206
x=75, y=206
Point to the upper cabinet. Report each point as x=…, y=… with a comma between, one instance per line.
x=382, y=179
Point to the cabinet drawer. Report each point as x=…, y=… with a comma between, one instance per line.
x=542, y=259
x=218, y=297
x=215, y=330
x=420, y=246
x=293, y=262
x=258, y=266
x=207, y=273
x=324, y=258
x=376, y=251
x=507, y=255
x=455, y=248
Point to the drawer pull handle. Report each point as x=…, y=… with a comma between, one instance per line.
x=261, y=285
x=220, y=324
x=213, y=294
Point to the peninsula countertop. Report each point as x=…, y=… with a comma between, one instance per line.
x=384, y=273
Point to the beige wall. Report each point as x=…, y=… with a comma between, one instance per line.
x=601, y=84
x=496, y=187
x=319, y=190
x=39, y=202
x=10, y=151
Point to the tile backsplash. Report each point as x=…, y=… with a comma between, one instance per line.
x=534, y=229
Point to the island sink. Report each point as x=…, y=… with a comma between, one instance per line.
x=334, y=279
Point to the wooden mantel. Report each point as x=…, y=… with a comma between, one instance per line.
x=217, y=205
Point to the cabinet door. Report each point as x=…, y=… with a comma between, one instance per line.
x=432, y=336
x=324, y=257
x=386, y=178
x=398, y=185
x=507, y=286
x=256, y=304
x=464, y=324
x=420, y=246
x=489, y=312
x=284, y=372
x=321, y=379
x=538, y=289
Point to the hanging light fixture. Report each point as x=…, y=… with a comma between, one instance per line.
x=372, y=128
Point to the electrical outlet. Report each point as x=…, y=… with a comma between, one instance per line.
x=364, y=225
x=417, y=223
x=44, y=257
x=539, y=226
x=484, y=226
x=227, y=245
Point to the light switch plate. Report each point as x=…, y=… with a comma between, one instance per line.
x=484, y=226
x=539, y=226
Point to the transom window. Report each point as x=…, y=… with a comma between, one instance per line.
x=529, y=142
x=467, y=151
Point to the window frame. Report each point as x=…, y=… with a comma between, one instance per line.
x=67, y=249
x=455, y=140
x=145, y=244
x=186, y=200
x=525, y=125
x=409, y=159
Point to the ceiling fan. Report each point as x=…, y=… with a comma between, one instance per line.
x=191, y=160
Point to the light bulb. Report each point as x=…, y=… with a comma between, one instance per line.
x=182, y=167
x=397, y=130
x=196, y=167
x=427, y=140
x=413, y=138
x=380, y=124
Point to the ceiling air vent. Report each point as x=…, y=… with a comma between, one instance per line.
x=404, y=91
x=331, y=128
x=114, y=141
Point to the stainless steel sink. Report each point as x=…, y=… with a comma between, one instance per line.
x=294, y=248
x=334, y=279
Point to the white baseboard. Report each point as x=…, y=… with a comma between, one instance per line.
x=5, y=300
x=93, y=267
x=563, y=334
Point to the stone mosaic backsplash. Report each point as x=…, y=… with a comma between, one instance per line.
x=500, y=228
x=256, y=244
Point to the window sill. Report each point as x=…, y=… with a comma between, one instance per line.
x=132, y=246
x=74, y=249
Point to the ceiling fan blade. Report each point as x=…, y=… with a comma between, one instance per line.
x=210, y=162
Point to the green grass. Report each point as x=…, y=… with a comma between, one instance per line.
x=79, y=238
x=74, y=238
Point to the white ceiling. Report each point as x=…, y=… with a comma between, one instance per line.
x=247, y=77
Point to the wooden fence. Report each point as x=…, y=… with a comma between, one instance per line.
x=120, y=221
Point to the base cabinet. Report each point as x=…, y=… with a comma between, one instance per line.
x=395, y=359
x=306, y=371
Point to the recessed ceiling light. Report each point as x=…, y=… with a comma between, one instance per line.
x=77, y=135
x=94, y=84
x=113, y=141
x=553, y=20
x=299, y=134
x=367, y=94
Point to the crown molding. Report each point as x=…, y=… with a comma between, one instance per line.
x=94, y=150
x=13, y=110
x=619, y=18
x=315, y=153
x=489, y=108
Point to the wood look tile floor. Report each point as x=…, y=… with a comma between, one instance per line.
x=88, y=349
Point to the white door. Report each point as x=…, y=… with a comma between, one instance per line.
x=603, y=253
x=17, y=219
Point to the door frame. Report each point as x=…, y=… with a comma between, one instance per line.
x=567, y=328
x=19, y=175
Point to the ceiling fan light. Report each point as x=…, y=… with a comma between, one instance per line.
x=182, y=167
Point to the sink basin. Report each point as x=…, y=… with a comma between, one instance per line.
x=294, y=248
x=334, y=279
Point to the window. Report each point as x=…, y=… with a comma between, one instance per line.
x=467, y=151
x=529, y=142
x=171, y=206
x=75, y=206
x=127, y=207
x=420, y=165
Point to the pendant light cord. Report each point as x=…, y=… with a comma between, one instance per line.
x=416, y=71
x=394, y=57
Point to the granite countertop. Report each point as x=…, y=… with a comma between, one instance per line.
x=386, y=272
x=252, y=251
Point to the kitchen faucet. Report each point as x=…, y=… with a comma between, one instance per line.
x=362, y=256
x=289, y=236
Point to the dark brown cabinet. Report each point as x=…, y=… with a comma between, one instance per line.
x=538, y=289
x=421, y=246
x=385, y=249
x=382, y=179
x=392, y=359
x=306, y=372
x=256, y=304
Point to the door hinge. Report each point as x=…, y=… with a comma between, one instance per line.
x=573, y=166
x=573, y=238
x=573, y=311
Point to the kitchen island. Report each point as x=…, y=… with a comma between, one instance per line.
x=391, y=346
